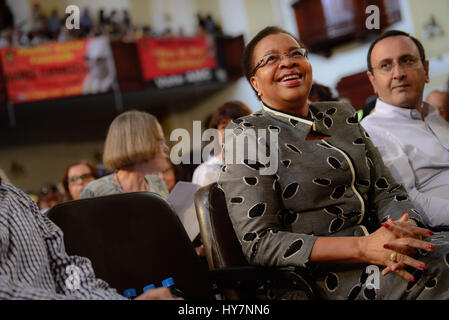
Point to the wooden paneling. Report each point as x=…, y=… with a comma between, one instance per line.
x=345, y=21
x=357, y=87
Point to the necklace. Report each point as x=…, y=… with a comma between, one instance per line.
x=118, y=180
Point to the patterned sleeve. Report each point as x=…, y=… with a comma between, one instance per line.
x=33, y=261
x=387, y=197
x=255, y=209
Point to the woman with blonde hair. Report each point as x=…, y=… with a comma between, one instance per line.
x=135, y=151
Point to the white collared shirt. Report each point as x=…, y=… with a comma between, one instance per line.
x=416, y=150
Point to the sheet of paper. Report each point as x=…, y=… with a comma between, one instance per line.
x=182, y=200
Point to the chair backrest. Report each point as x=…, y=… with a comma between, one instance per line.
x=222, y=248
x=132, y=240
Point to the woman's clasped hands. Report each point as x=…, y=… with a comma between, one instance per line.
x=395, y=245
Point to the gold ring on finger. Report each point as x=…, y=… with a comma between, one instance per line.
x=394, y=257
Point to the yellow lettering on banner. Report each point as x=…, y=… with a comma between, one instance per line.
x=68, y=56
x=181, y=64
x=25, y=52
x=70, y=46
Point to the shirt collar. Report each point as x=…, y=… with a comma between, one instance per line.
x=386, y=108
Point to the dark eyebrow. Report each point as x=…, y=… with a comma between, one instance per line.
x=275, y=51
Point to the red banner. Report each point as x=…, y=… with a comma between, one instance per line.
x=170, y=56
x=57, y=70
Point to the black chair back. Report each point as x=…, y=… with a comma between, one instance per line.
x=132, y=240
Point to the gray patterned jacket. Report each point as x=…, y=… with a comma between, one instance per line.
x=336, y=186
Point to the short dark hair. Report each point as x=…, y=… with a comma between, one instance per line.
x=229, y=110
x=393, y=33
x=247, y=63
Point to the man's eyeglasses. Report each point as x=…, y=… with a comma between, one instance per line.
x=82, y=177
x=406, y=62
x=274, y=58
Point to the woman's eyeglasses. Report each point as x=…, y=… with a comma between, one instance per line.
x=82, y=177
x=274, y=58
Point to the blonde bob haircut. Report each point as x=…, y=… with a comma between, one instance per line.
x=133, y=136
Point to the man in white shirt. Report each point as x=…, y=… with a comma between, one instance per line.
x=412, y=138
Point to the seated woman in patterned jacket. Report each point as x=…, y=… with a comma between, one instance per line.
x=323, y=199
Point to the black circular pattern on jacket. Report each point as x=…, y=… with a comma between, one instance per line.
x=328, y=122
x=237, y=200
x=250, y=236
x=293, y=148
x=286, y=163
x=336, y=225
x=354, y=292
x=237, y=121
x=401, y=198
x=247, y=124
x=331, y=281
x=322, y=182
x=365, y=183
x=255, y=165
x=319, y=116
x=334, y=210
x=382, y=183
x=257, y=210
x=290, y=190
x=353, y=120
x=338, y=192
x=334, y=163
x=331, y=111
x=431, y=283
x=417, y=275
x=369, y=293
x=293, y=122
x=358, y=141
x=290, y=218
x=252, y=181
x=293, y=248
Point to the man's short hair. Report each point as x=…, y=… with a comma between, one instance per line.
x=393, y=33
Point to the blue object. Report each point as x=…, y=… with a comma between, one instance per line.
x=149, y=287
x=170, y=284
x=130, y=293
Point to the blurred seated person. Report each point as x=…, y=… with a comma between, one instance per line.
x=174, y=173
x=76, y=177
x=320, y=92
x=135, y=151
x=324, y=201
x=439, y=99
x=49, y=196
x=207, y=172
x=34, y=262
